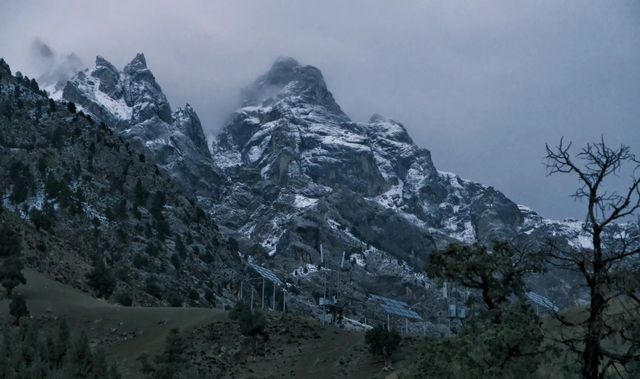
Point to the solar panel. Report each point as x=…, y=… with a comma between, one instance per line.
x=403, y=312
x=387, y=300
x=267, y=274
x=396, y=307
x=542, y=301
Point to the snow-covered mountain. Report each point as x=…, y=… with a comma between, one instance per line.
x=303, y=174
x=303, y=151
x=291, y=172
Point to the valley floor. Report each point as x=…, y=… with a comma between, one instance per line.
x=297, y=347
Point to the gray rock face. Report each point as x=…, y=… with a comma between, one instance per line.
x=133, y=103
x=305, y=148
x=143, y=93
x=109, y=78
x=188, y=123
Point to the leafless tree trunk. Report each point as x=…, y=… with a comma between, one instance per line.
x=616, y=246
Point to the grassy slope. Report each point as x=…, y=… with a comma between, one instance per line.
x=314, y=351
x=128, y=331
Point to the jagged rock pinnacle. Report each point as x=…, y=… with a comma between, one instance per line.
x=139, y=63
x=102, y=62
x=4, y=67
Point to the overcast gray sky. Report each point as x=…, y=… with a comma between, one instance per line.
x=482, y=84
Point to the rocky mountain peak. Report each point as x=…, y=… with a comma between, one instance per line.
x=132, y=103
x=109, y=78
x=282, y=71
x=101, y=62
x=143, y=93
x=4, y=67
x=188, y=123
x=139, y=63
x=377, y=118
x=290, y=81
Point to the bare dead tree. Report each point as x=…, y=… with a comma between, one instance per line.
x=608, y=342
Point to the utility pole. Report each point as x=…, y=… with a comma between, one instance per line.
x=339, y=276
x=324, y=283
x=284, y=301
x=424, y=327
x=324, y=272
x=262, y=293
x=273, y=301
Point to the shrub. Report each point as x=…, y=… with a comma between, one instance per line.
x=153, y=288
x=43, y=219
x=382, y=342
x=210, y=297
x=174, y=299
x=18, y=308
x=101, y=279
x=176, y=261
x=124, y=298
x=51, y=106
x=140, y=261
x=252, y=323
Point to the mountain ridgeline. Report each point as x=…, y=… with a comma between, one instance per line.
x=288, y=175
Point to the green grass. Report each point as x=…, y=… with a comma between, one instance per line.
x=127, y=332
x=104, y=320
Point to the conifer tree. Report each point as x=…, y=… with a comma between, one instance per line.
x=11, y=274
x=382, y=342
x=503, y=338
x=101, y=279
x=10, y=264
x=140, y=195
x=18, y=308
x=51, y=106
x=10, y=242
x=252, y=323
x=180, y=248
x=7, y=110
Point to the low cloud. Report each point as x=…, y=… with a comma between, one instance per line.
x=53, y=70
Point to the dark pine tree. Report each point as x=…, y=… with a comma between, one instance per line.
x=18, y=308
x=101, y=279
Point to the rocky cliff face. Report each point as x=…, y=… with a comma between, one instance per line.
x=292, y=145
